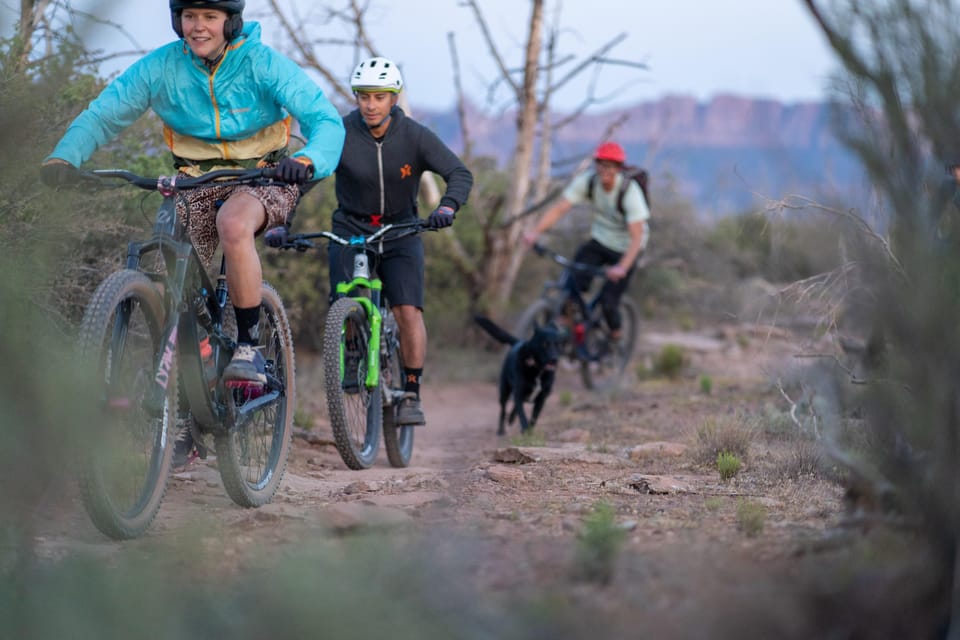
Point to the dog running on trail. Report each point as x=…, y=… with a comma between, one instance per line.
x=528, y=368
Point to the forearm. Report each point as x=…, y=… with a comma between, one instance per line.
x=636, y=247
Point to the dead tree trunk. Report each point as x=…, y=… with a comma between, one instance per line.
x=506, y=254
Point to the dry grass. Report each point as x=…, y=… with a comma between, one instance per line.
x=732, y=434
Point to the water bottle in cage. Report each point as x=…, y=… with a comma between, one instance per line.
x=361, y=266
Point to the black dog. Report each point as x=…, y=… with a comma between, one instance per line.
x=528, y=364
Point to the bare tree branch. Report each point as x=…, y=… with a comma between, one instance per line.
x=306, y=52
x=802, y=202
x=592, y=59
x=505, y=74
x=461, y=99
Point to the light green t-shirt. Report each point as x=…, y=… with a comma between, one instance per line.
x=609, y=226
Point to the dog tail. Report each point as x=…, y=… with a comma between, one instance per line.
x=496, y=331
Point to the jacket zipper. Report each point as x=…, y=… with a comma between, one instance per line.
x=383, y=195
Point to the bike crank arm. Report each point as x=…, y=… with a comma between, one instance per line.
x=240, y=415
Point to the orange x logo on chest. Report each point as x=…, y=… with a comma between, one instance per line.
x=406, y=171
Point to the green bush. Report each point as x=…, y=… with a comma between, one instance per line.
x=706, y=384
x=751, y=517
x=598, y=544
x=728, y=465
x=670, y=361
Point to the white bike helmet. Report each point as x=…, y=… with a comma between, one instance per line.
x=376, y=74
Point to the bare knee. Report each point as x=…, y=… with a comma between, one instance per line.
x=239, y=219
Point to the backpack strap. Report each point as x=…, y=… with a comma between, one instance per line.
x=624, y=185
x=627, y=175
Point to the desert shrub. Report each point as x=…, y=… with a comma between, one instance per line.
x=778, y=249
x=730, y=434
x=804, y=458
x=598, y=544
x=713, y=503
x=706, y=384
x=751, y=517
x=728, y=465
x=670, y=361
x=745, y=239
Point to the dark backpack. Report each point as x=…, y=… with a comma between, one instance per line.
x=636, y=174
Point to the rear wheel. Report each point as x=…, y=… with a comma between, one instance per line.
x=124, y=473
x=356, y=410
x=252, y=456
x=606, y=360
x=538, y=314
x=397, y=439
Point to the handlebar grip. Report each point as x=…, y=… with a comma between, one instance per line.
x=276, y=237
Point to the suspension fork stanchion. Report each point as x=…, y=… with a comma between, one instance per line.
x=375, y=319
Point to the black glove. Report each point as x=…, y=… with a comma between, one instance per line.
x=441, y=218
x=293, y=171
x=276, y=237
x=56, y=174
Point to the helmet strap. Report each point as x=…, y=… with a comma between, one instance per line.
x=384, y=121
x=215, y=60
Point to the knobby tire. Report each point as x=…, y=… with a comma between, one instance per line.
x=125, y=469
x=356, y=412
x=397, y=439
x=252, y=457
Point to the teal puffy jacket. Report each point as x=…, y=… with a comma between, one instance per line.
x=239, y=111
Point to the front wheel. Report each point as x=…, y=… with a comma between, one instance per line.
x=125, y=469
x=252, y=455
x=602, y=367
x=397, y=438
x=356, y=411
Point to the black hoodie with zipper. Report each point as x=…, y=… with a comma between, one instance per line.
x=382, y=177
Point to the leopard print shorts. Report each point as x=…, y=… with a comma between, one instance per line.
x=199, y=207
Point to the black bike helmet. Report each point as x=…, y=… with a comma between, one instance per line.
x=234, y=9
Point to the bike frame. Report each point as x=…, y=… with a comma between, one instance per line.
x=361, y=282
x=566, y=286
x=188, y=295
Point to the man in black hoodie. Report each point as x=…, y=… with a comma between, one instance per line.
x=378, y=179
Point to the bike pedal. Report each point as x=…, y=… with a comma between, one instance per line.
x=248, y=389
x=122, y=402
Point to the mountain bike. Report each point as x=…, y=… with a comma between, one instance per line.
x=362, y=359
x=600, y=359
x=160, y=328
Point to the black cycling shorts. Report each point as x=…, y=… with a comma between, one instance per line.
x=400, y=267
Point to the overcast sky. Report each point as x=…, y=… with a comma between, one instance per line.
x=758, y=48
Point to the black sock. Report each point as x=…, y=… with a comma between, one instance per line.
x=248, y=321
x=412, y=380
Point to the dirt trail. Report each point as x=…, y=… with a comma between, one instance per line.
x=668, y=502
